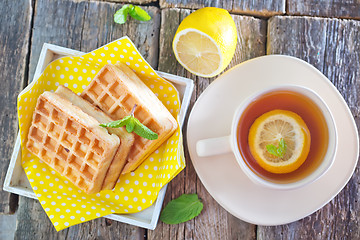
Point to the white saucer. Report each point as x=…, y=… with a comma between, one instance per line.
x=212, y=114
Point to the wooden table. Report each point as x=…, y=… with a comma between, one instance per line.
x=325, y=34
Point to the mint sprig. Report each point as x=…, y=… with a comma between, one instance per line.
x=135, y=12
x=277, y=151
x=132, y=124
x=182, y=209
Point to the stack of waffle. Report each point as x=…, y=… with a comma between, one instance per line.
x=66, y=135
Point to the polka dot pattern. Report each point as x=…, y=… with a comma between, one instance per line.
x=62, y=201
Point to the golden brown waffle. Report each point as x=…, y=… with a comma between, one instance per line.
x=115, y=90
x=126, y=139
x=71, y=142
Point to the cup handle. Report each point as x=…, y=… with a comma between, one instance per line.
x=213, y=146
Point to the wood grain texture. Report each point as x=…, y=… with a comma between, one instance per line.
x=99, y=29
x=304, y=38
x=214, y=222
x=263, y=8
x=332, y=46
x=33, y=223
x=342, y=60
x=195, y=4
x=15, y=18
x=257, y=8
x=34, y=226
x=325, y=8
x=140, y=2
x=83, y=26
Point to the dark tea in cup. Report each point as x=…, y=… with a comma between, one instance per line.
x=303, y=106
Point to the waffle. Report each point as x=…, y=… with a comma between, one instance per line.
x=71, y=142
x=126, y=139
x=115, y=90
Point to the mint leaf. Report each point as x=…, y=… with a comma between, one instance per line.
x=277, y=151
x=120, y=16
x=272, y=149
x=135, y=12
x=182, y=209
x=139, y=14
x=282, y=147
x=132, y=124
x=143, y=131
x=116, y=124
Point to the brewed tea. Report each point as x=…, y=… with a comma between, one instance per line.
x=309, y=112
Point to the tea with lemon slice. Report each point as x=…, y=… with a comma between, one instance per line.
x=282, y=136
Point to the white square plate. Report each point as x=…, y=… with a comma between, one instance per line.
x=17, y=182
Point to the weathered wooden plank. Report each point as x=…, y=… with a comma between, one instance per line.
x=138, y=2
x=83, y=26
x=99, y=29
x=342, y=67
x=263, y=8
x=32, y=222
x=195, y=4
x=331, y=46
x=342, y=60
x=257, y=8
x=329, y=8
x=15, y=27
x=33, y=226
x=58, y=22
x=302, y=37
x=103, y=228
x=214, y=222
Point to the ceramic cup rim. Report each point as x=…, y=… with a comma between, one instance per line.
x=330, y=152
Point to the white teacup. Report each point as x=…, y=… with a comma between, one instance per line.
x=226, y=144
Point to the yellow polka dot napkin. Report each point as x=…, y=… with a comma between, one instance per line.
x=64, y=203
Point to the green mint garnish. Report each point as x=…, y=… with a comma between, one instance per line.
x=135, y=12
x=132, y=124
x=182, y=209
x=277, y=151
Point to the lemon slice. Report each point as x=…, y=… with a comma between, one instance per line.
x=269, y=129
x=205, y=41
